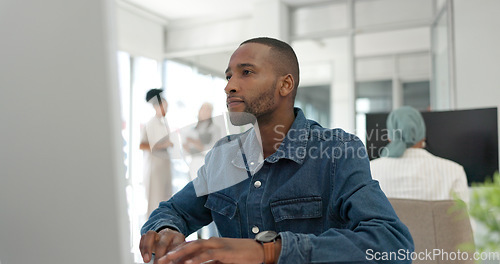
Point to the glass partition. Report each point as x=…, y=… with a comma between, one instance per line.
x=440, y=86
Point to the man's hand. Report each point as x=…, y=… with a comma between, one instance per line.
x=218, y=250
x=159, y=243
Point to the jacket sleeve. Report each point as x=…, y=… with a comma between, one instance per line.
x=372, y=234
x=184, y=212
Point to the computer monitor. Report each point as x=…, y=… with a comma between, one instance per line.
x=468, y=137
x=62, y=177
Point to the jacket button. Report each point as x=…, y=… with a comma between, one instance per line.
x=257, y=184
x=255, y=229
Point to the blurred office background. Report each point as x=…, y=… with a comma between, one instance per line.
x=88, y=65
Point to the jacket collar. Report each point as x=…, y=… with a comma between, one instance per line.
x=293, y=146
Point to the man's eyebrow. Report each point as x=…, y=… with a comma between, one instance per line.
x=241, y=65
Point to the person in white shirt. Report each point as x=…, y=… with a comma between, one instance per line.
x=406, y=170
x=155, y=142
x=201, y=138
x=198, y=141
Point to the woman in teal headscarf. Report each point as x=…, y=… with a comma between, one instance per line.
x=406, y=129
x=406, y=170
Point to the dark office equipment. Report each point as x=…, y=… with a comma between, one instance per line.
x=468, y=137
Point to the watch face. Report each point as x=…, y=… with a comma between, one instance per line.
x=266, y=236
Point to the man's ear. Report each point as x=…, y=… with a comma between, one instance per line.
x=286, y=85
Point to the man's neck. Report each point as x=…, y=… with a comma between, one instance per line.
x=273, y=132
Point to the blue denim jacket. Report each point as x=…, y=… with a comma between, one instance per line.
x=316, y=191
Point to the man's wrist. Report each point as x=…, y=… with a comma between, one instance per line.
x=271, y=246
x=166, y=227
x=272, y=254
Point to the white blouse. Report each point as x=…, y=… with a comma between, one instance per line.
x=420, y=175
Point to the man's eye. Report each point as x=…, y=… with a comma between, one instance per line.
x=228, y=77
x=246, y=72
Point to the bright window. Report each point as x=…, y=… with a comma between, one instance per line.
x=185, y=90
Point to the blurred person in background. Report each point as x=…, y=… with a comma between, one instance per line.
x=201, y=138
x=155, y=143
x=198, y=141
x=406, y=170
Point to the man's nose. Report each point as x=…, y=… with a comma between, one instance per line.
x=231, y=87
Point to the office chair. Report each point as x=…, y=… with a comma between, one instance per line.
x=435, y=229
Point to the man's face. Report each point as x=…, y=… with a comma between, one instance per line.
x=251, y=86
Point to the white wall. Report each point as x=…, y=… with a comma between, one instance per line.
x=140, y=35
x=62, y=198
x=270, y=19
x=209, y=42
x=392, y=42
x=386, y=12
x=477, y=54
x=203, y=36
x=326, y=62
x=477, y=45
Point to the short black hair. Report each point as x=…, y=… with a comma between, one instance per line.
x=283, y=57
x=152, y=94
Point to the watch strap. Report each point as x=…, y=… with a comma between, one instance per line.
x=269, y=257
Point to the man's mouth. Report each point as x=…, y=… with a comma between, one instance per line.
x=234, y=102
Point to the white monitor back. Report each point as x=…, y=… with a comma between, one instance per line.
x=62, y=195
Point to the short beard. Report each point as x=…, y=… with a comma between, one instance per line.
x=258, y=108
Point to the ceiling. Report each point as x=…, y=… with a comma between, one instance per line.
x=180, y=10
x=186, y=9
